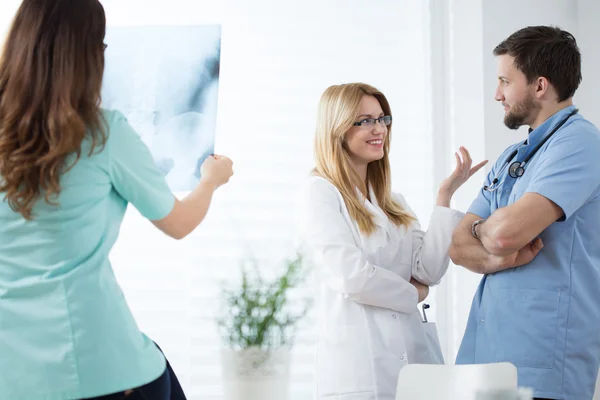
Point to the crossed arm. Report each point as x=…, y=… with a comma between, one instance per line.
x=509, y=237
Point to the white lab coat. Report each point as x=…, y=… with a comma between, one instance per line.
x=369, y=325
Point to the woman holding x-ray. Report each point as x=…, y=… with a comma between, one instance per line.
x=373, y=262
x=68, y=171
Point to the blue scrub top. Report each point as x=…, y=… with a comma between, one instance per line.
x=544, y=317
x=66, y=331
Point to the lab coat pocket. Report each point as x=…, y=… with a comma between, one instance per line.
x=343, y=361
x=433, y=343
x=526, y=320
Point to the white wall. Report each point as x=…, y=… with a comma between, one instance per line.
x=588, y=32
x=458, y=117
x=7, y=11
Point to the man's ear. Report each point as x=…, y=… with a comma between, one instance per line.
x=542, y=86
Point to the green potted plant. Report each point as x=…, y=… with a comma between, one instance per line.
x=258, y=327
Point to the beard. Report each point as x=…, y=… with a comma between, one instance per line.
x=519, y=114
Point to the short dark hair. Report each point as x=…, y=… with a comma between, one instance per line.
x=546, y=51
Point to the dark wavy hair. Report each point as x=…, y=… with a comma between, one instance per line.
x=50, y=80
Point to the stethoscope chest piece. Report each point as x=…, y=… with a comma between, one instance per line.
x=516, y=169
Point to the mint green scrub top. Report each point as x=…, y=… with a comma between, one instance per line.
x=66, y=331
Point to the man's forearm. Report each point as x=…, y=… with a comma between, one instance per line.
x=492, y=238
x=469, y=252
x=473, y=256
x=509, y=229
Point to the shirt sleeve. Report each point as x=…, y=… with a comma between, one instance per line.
x=569, y=170
x=430, y=258
x=133, y=173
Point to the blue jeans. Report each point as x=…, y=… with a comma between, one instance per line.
x=166, y=387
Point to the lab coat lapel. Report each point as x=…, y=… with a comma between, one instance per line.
x=385, y=232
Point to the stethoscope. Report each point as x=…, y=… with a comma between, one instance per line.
x=517, y=168
x=424, y=307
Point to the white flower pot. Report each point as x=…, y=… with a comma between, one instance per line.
x=255, y=374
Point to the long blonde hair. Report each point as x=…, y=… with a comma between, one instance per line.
x=338, y=110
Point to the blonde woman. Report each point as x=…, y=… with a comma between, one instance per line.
x=373, y=262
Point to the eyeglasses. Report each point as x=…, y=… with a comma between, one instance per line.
x=369, y=122
x=104, y=46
